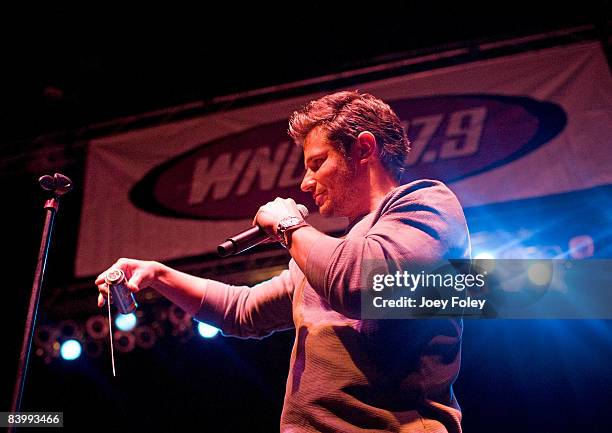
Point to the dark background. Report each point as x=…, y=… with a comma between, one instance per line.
x=66, y=69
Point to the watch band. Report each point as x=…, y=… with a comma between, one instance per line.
x=283, y=232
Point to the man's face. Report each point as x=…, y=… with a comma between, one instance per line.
x=333, y=181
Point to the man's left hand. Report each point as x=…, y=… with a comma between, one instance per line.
x=270, y=214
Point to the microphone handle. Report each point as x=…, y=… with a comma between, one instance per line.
x=249, y=238
x=242, y=241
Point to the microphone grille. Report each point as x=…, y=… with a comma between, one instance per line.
x=303, y=210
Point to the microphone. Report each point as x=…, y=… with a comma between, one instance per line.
x=249, y=238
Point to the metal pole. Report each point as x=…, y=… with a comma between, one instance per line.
x=57, y=185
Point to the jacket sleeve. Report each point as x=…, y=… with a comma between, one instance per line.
x=249, y=312
x=414, y=230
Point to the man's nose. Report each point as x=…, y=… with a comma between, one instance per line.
x=308, y=183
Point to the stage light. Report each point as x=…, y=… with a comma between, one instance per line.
x=70, y=350
x=97, y=327
x=93, y=348
x=70, y=330
x=145, y=337
x=581, y=247
x=485, y=261
x=125, y=322
x=124, y=341
x=45, y=336
x=181, y=322
x=540, y=274
x=207, y=331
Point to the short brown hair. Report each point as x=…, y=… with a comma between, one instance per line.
x=344, y=115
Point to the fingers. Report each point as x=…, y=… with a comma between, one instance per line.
x=278, y=205
x=103, y=296
x=102, y=289
x=254, y=223
x=269, y=215
x=289, y=205
x=134, y=282
x=122, y=263
x=138, y=273
x=101, y=300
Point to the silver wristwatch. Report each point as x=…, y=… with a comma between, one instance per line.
x=286, y=226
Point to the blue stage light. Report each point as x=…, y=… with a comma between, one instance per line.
x=484, y=255
x=70, y=350
x=125, y=322
x=207, y=331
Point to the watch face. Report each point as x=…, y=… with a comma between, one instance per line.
x=289, y=221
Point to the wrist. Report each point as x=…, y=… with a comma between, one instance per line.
x=159, y=272
x=286, y=227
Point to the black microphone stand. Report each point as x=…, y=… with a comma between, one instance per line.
x=57, y=185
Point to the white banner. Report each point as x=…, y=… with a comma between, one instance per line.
x=516, y=127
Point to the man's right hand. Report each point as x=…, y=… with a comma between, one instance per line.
x=138, y=273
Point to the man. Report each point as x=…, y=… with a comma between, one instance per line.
x=346, y=374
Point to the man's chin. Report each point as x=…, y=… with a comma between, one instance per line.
x=326, y=211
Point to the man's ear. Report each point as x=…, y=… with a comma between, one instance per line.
x=365, y=146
